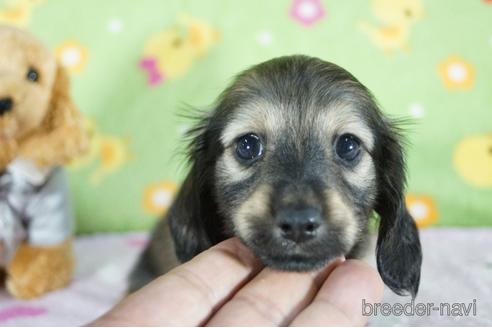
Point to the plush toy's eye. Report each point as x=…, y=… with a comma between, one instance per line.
x=32, y=75
x=249, y=147
x=347, y=147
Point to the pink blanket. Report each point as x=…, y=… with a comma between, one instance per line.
x=103, y=262
x=457, y=269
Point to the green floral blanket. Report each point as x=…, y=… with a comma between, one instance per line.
x=137, y=64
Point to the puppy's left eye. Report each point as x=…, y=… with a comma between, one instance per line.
x=249, y=147
x=32, y=75
x=347, y=147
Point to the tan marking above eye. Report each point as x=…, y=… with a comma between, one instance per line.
x=273, y=122
x=344, y=119
x=259, y=117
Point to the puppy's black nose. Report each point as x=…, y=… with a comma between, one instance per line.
x=6, y=105
x=299, y=225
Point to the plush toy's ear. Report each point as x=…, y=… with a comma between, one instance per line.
x=61, y=137
x=194, y=219
x=399, y=255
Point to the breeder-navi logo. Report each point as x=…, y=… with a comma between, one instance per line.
x=419, y=309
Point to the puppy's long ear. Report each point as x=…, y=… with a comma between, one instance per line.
x=399, y=255
x=61, y=137
x=193, y=218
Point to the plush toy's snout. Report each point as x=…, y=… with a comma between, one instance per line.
x=6, y=105
x=10, y=93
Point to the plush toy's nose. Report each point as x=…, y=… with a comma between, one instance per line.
x=6, y=105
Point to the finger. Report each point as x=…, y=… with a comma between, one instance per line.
x=189, y=294
x=271, y=298
x=339, y=301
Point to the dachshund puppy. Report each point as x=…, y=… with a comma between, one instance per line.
x=293, y=160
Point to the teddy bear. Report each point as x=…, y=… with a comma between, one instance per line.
x=40, y=131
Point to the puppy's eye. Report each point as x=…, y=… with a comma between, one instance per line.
x=249, y=147
x=347, y=147
x=32, y=75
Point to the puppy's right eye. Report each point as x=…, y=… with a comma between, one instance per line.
x=249, y=147
x=348, y=147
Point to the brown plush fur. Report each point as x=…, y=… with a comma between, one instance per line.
x=60, y=130
x=45, y=127
x=37, y=270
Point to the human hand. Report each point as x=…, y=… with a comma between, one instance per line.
x=227, y=286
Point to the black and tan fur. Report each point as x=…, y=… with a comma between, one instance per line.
x=299, y=106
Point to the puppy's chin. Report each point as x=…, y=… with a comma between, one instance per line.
x=286, y=256
x=295, y=262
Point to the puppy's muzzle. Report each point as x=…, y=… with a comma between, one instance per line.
x=6, y=105
x=299, y=225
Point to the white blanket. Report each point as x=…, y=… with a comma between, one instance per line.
x=457, y=268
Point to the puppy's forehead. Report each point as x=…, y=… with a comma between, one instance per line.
x=277, y=120
x=298, y=97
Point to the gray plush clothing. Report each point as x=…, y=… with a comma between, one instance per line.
x=34, y=207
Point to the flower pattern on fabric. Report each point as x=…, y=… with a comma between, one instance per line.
x=137, y=242
x=154, y=76
x=422, y=208
x=18, y=12
x=21, y=311
x=416, y=110
x=137, y=55
x=456, y=73
x=158, y=197
x=115, y=25
x=473, y=160
x=113, y=154
x=307, y=12
x=72, y=55
x=170, y=54
x=108, y=151
x=394, y=21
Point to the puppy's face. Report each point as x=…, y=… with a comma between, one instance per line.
x=296, y=178
x=294, y=160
